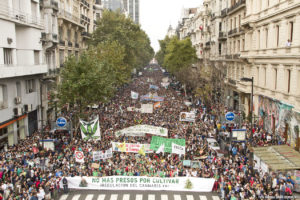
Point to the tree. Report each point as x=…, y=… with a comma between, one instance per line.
x=162, y=52
x=180, y=54
x=114, y=26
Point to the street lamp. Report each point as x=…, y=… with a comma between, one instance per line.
x=251, y=111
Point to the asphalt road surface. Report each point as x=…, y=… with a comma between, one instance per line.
x=137, y=195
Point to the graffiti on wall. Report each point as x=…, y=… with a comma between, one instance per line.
x=276, y=117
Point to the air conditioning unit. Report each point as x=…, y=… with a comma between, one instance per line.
x=18, y=100
x=18, y=111
x=28, y=108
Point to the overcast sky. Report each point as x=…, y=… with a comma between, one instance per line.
x=157, y=15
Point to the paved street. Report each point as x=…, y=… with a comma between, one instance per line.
x=137, y=195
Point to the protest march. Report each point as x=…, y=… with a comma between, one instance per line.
x=158, y=144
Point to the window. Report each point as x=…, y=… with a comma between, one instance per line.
x=267, y=32
x=60, y=33
x=69, y=34
x=61, y=57
x=76, y=37
x=275, y=79
x=277, y=35
x=265, y=76
x=238, y=45
x=257, y=76
x=288, y=80
x=3, y=131
x=291, y=30
x=234, y=46
x=18, y=87
x=30, y=86
x=243, y=44
x=3, y=96
x=220, y=48
x=239, y=20
x=7, y=56
x=258, y=39
x=69, y=53
x=36, y=57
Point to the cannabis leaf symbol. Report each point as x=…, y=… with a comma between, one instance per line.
x=88, y=130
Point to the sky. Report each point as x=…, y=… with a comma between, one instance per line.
x=157, y=15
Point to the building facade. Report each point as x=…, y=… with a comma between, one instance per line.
x=22, y=66
x=132, y=9
x=259, y=39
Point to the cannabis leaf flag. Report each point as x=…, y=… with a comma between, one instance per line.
x=90, y=130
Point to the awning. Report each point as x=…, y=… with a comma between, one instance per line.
x=281, y=157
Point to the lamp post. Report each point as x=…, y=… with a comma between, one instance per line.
x=251, y=111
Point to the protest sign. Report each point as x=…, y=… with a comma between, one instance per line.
x=90, y=130
x=177, y=149
x=134, y=95
x=48, y=144
x=156, y=105
x=165, y=80
x=188, y=184
x=141, y=130
x=131, y=147
x=187, y=116
x=95, y=165
x=79, y=156
x=165, y=85
x=100, y=155
x=147, y=108
x=151, y=97
x=155, y=87
x=156, y=142
x=187, y=163
x=196, y=164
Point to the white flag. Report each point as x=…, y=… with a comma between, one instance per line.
x=79, y=156
x=134, y=95
x=177, y=149
x=161, y=149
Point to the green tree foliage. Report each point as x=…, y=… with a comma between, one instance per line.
x=180, y=54
x=114, y=26
x=162, y=52
x=116, y=47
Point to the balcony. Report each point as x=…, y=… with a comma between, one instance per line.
x=229, y=57
x=20, y=17
x=231, y=32
x=85, y=34
x=222, y=36
x=236, y=56
x=224, y=12
x=237, y=5
x=70, y=44
x=69, y=17
x=9, y=71
x=61, y=43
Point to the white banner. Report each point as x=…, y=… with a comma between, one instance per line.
x=177, y=149
x=90, y=130
x=131, y=147
x=142, y=130
x=147, y=108
x=100, y=155
x=165, y=85
x=187, y=116
x=134, y=95
x=186, y=184
x=79, y=156
x=165, y=79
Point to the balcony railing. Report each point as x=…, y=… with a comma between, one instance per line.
x=222, y=35
x=224, y=12
x=236, y=5
x=54, y=36
x=61, y=42
x=19, y=16
x=70, y=44
x=233, y=31
x=236, y=56
x=68, y=16
x=85, y=34
x=228, y=56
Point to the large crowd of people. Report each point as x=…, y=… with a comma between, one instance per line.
x=28, y=172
